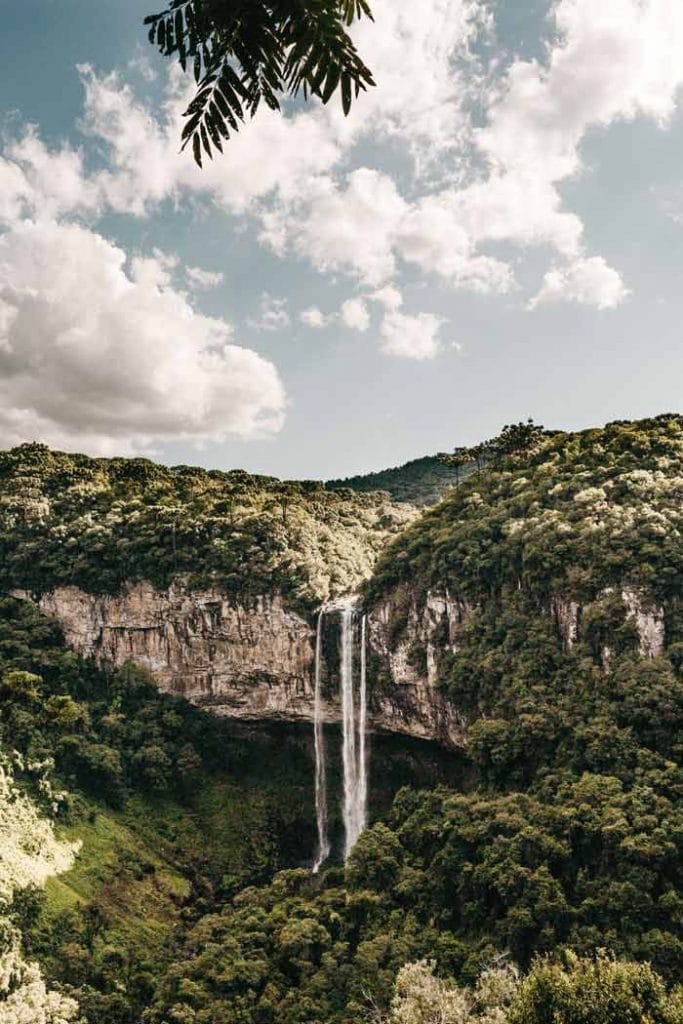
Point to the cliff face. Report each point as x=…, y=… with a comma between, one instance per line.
x=257, y=661
x=644, y=613
x=254, y=661
x=407, y=660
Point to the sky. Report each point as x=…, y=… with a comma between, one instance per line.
x=495, y=232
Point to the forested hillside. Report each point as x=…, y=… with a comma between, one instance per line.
x=565, y=834
x=419, y=482
x=499, y=888
x=97, y=523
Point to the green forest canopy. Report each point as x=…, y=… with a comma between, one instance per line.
x=560, y=833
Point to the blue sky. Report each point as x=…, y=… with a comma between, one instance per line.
x=495, y=233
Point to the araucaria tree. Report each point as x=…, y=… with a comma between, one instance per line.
x=244, y=51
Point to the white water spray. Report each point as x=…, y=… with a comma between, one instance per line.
x=353, y=735
x=362, y=731
x=320, y=767
x=348, y=730
x=354, y=729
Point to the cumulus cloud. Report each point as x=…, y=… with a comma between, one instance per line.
x=203, y=280
x=425, y=75
x=101, y=355
x=309, y=190
x=592, y=282
x=350, y=228
x=314, y=318
x=355, y=314
x=411, y=337
x=617, y=63
x=389, y=296
x=273, y=314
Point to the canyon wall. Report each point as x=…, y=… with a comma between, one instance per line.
x=257, y=661
x=243, y=661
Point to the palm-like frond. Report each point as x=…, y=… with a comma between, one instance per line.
x=242, y=52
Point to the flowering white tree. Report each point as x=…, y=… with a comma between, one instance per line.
x=420, y=997
x=29, y=853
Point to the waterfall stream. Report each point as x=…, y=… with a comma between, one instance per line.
x=362, y=812
x=354, y=708
x=354, y=727
x=348, y=731
x=320, y=767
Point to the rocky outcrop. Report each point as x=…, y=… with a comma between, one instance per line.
x=254, y=661
x=649, y=621
x=245, y=661
x=647, y=617
x=567, y=614
x=408, y=661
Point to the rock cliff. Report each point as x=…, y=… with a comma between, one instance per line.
x=247, y=661
x=257, y=660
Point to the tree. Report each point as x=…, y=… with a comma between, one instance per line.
x=242, y=52
x=518, y=438
x=458, y=458
x=595, y=990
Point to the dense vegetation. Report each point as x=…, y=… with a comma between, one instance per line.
x=98, y=523
x=574, y=515
x=557, y=834
x=569, y=833
x=175, y=811
x=419, y=482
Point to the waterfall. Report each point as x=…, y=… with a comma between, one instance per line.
x=348, y=731
x=353, y=735
x=354, y=708
x=323, y=851
x=362, y=730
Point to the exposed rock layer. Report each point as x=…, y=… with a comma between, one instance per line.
x=251, y=661
x=407, y=661
x=257, y=661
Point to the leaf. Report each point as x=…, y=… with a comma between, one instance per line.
x=346, y=92
x=205, y=141
x=217, y=118
x=331, y=82
x=225, y=109
x=197, y=150
x=244, y=52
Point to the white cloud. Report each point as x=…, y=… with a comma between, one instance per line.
x=99, y=357
x=433, y=237
x=37, y=181
x=273, y=315
x=411, y=337
x=389, y=296
x=424, y=73
x=614, y=61
x=314, y=318
x=274, y=156
x=301, y=181
x=350, y=228
x=203, y=280
x=592, y=282
x=355, y=314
